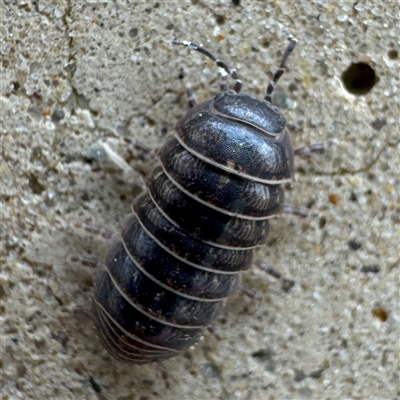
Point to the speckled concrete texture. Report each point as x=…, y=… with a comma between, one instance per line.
x=79, y=76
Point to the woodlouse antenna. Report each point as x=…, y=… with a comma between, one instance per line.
x=281, y=70
x=224, y=69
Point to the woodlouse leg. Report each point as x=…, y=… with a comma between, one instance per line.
x=305, y=151
x=224, y=69
x=300, y=212
x=95, y=230
x=80, y=311
x=191, y=98
x=287, y=284
x=86, y=261
x=213, y=332
x=281, y=70
x=256, y=298
x=164, y=374
x=147, y=152
x=83, y=316
x=251, y=293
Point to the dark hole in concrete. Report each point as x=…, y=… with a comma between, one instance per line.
x=359, y=78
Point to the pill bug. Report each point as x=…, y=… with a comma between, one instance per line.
x=194, y=229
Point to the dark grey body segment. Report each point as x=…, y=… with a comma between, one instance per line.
x=137, y=324
x=153, y=300
x=201, y=221
x=187, y=248
x=206, y=207
x=223, y=190
x=168, y=271
x=244, y=108
x=236, y=146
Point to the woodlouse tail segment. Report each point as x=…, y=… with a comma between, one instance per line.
x=287, y=284
x=281, y=70
x=306, y=151
x=224, y=69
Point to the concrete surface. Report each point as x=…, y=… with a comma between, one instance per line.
x=79, y=76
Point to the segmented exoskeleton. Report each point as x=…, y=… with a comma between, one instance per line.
x=194, y=230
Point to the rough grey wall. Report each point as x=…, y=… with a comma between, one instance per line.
x=78, y=76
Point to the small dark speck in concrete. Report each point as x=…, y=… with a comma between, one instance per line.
x=299, y=376
x=380, y=313
x=354, y=245
x=378, y=124
x=316, y=374
x=35, y=185
x=96, y=387
x=393, y=54
x=133, y=32
x=220, y=19
x=21, y=370
x=353, y=197
x=210, y=370
x=370, y=268
x=2, y=291
x=16, y=86
x=265, y=356
x=57, y=116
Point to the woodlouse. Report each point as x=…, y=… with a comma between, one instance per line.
x=192, y=232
